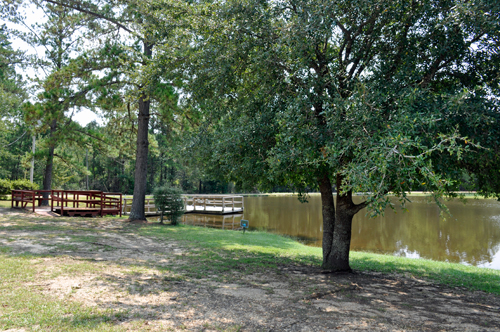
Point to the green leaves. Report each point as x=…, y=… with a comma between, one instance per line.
x=169, y=201
x=389, y=95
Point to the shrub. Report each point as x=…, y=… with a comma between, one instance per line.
x=23, y=184
x=6, y=186
x=168, y=201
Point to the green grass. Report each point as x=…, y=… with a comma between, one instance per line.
x=203, y=252
x=450, y=274
x=220, y=252
x=5, y=204
x=27, y=307
x=215, y=251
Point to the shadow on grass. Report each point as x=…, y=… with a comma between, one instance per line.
x=212, y=251
x=454, y=275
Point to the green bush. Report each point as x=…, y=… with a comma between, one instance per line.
x=23, y=184
x=168, y=201
x=6, y=186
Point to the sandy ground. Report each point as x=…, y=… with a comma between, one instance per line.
x=290, y=299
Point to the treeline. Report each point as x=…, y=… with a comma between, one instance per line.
x=104, y=166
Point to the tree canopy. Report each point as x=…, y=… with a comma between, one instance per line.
x=372, y=97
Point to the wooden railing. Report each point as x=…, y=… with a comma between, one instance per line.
x=81, y=202
x=195, y=203
x=74, y=202
x=149, y=206
x=213, y=203
x=25, y=197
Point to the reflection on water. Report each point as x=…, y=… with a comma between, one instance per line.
x=228, y=221
x=471, y=235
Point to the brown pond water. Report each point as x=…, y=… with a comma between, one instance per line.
x=471, y=235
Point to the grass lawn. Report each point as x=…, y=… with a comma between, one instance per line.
x=224, y=256
x=28, y=307
x=5, y=204
x=215, y=250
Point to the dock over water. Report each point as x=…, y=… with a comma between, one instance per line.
x=213, y=204
x=201, y=204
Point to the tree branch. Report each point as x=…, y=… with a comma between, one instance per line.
x=78, y=7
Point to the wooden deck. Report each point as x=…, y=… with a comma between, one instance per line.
x=71, y=202
x=86, y=203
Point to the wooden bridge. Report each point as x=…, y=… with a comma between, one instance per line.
x=202, y=204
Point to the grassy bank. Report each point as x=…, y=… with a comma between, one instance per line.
x=197, y=258
x=218, y=251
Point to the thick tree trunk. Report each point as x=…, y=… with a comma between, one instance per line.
x=328, y=210
x=49, y=166
x=337, y=257
x=141, y=159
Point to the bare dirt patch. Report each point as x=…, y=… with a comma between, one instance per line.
x=135, y=276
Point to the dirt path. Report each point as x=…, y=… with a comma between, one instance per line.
x=134, y=280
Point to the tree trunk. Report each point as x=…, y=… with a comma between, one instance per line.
x=49, y=166
x=336, y=257
x=141, y=160
x=328, y=209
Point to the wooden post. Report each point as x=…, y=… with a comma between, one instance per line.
x=232, y=198
x=102, y=197
x=242, y=203
x=223, y=204
x=62, y=203
x=204, y=203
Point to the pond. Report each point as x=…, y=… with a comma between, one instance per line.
x=470, y=235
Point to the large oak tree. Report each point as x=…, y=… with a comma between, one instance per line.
x=375, y=97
